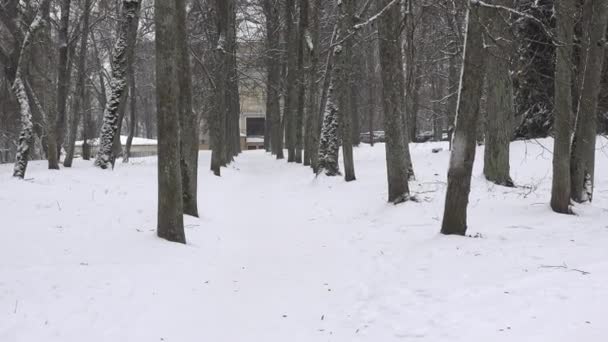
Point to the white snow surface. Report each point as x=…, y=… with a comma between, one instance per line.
x=279, y=255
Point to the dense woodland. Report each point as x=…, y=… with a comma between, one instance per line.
x=334, y=74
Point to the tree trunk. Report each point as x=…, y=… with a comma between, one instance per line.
x=463, y=150
x=582, y=163
x=560, y=190
x=132, y=116
x=26, y=137
x=391, y=63
x=170, y=209
x=118, y=84
x=291, y=102
x=343, y=69
x=499, y=103
x=273, y=71
x=313, y=121
x=187, y=119
x=301, y=83
x=329, y=145
x=56, y=120
x=217, y=121
x=80, y=86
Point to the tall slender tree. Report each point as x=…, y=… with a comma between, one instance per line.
x=188, y=119
x=170, y=205
x=560, y=190
x=118, y=84
x=392, y=102
x=582, y=163
x=463, y=148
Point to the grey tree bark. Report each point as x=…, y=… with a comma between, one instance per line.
x=564, y=25
x=218, y=117
x=343, y=70
x=329, y=145
x=170, y=206
x=582, y=162
x=118, y=84
x=313, y=122
x=291, y=101
x=392, y=103
x=463, y=149
x=273, y=70
x=56, y=120
x=188, y=119
x=499, y=104
x=26, y=136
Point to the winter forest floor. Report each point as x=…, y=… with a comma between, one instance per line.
x=279, y=255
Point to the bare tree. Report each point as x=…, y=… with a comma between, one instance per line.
x=170, y=207
x=560, y=190
x=463, y=149
x=582, y=163
x=392, y=102
x=118, y=83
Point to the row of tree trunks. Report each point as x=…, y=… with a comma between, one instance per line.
x=273, y=84
x=79, y=97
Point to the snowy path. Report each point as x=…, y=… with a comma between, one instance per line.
x=281, y=256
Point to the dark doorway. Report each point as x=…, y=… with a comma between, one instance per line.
x=255, y=126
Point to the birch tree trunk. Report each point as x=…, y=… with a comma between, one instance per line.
x=463, y=149
x=170, y=206
x=118, y=84
x=582, y=162
x=391, y=63
x=26, y=136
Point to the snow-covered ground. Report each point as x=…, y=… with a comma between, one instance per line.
x=281, y=256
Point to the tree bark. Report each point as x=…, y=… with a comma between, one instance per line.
x=217, y=121
x=118, y=84
x=392, y=103
x=499, y=103
x=560, y=190
x=329, y=145
x=582, y=162
x=188, y=119
x=463, y=149
x=170, y=208
x=26, y=135
x=291, y=101
x=273, y=71
x=57, y=119
x=343, y=70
